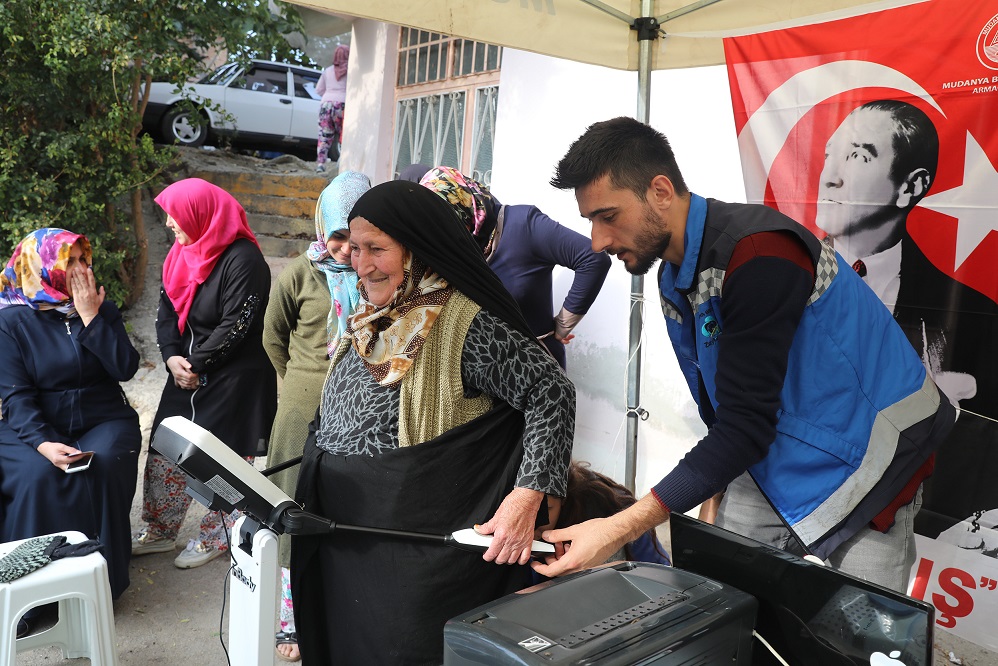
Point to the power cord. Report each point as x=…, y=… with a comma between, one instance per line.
x=225, y=587
x=770, y=648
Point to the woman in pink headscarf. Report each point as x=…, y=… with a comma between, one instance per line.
x=333, y=88
x=216, y=285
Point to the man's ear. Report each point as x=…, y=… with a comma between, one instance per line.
x=661, y=191
x=913, y=188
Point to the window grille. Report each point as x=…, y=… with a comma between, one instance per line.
x=430, y=130
x=446, y=94
x=475, y=57
x=422, y=57
x=486, y=103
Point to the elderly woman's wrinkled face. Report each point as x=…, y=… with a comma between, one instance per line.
x=378, y=259
x=182, y=238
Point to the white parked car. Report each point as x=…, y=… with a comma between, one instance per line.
x=270, y=105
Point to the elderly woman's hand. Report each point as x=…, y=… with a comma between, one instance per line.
x=513, y=527
x=86, y=296
x=180, y=368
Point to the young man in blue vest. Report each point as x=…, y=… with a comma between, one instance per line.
x=820, y=415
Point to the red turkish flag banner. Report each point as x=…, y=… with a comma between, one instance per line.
x=791, y=89
x=879, y=132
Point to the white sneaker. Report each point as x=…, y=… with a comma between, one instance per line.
x=143, y=544
x=196, y=554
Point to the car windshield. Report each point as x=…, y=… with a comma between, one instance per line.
x=220, y=75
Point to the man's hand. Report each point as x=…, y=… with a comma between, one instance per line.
x=512, y=527
x=591, y=543
x=586, y=545
x=180, y=368
x=87, y=298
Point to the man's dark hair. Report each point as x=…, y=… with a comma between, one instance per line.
x=914, y=138
x=631, y=152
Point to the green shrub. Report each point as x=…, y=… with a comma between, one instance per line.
x=72, y=153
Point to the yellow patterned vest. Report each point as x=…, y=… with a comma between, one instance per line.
x=431, y=399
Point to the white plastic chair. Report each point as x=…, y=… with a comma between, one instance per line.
x=86, y=617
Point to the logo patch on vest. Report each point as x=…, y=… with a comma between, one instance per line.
x=710, y=329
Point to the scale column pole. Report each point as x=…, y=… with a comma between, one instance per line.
x=255, y=582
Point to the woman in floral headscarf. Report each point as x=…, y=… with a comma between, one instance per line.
x=64, y=351
x=209, y=327
x=308, y=311
x=532, y=244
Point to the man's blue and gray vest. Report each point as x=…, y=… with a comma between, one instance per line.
x=857, y=415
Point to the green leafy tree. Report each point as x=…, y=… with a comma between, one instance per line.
x=72, y=153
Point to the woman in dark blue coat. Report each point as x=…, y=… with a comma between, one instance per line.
x=65, y=350
x=522, y=246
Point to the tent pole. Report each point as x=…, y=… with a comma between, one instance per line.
x=636, y=320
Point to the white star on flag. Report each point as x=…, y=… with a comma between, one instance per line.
x=974, y=203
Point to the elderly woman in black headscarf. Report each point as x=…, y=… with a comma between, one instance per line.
x=440, y=411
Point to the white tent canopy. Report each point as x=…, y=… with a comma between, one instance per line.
x=674, y=34
x=599, y=32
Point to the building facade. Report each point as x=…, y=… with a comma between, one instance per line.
x=419, y=97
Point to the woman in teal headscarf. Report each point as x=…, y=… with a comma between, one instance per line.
x=308, y=311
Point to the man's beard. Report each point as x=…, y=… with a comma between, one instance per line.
x=651, y=242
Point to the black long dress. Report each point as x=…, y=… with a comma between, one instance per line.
x=59, y=383
x=363, y=599
x=223, y=341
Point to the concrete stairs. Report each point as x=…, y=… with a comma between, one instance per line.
x=279, y=208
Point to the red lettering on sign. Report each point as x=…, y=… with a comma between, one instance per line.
x=922, y=578
x=955, y=583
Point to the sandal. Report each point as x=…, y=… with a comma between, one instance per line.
x=287, y=638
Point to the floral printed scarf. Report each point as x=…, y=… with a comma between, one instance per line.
x=472, y=201
x=35, y=276
x=388, y=338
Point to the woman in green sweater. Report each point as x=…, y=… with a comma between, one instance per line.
x=307, y=314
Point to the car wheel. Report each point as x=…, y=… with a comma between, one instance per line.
x=181, y=126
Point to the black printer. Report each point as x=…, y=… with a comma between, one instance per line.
x=630, y=613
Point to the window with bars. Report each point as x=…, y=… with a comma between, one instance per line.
x=486, y=103
x=422, y=57
x=425, y=57
x=430, y=130
x=446, y=100
x=474, y=57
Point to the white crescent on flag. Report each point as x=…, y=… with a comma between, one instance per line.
x=767, y=129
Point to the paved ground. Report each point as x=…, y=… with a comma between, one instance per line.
x=170, y=616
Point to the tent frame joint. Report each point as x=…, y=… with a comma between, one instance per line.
x=647, y=27
x=638, y=412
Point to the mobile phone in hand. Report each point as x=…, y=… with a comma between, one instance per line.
x=81, y=462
